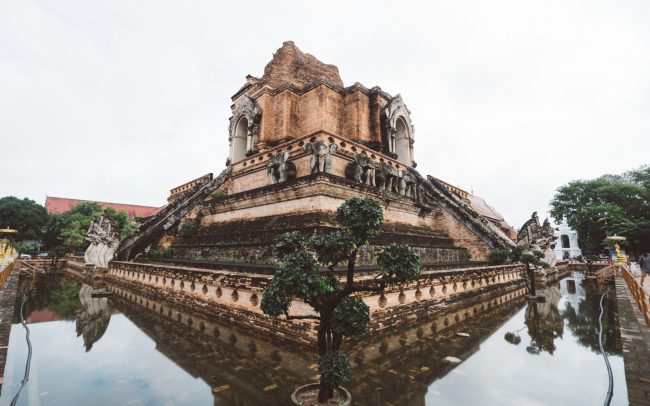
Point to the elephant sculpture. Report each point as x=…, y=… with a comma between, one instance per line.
x=362, y=170
x=388, y=178
x=410, y=183
x=279, y=169
x=321, y=160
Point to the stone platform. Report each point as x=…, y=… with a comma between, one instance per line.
x=635, y=334
x=7, y=302
x=235, y=297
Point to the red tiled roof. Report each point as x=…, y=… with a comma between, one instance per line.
x=40, y=316
x=58, y=205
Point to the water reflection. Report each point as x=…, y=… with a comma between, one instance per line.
x=56, y=296
x=582, y=319
x=156, y=352
x=544, y=321
x=53, y=297
x=93, y=316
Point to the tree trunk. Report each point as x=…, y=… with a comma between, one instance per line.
x=323, y=330
x=351, y=262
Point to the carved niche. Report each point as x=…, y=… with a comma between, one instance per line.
x=398, y=130
x=321, y=159
x=279, y=169
x=241, y=144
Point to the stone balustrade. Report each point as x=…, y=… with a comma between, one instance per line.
x=241, y=293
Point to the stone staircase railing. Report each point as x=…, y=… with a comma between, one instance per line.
x=151, y=230
x=640, y=295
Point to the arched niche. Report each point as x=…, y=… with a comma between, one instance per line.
x=398, y=130
x=564, y=239
x=244, y=128
x=402, y=142
x=239, y=143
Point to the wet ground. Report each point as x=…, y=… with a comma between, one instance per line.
x=128, y=349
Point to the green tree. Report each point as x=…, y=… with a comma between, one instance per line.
x=610, y=204
x=24, y=215
x=76, y=222
x=340, y=313
x=67, y=231
x=188, y=229
x=523, y=254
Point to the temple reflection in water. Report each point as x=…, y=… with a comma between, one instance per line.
x=401, y=367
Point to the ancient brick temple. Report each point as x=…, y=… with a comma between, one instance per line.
x=300, y=144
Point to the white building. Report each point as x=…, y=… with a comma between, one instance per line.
x=566, y=241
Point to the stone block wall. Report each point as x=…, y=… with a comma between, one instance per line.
x=235, y=297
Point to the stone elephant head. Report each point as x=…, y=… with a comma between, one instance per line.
x=362, y=170
x=388, y=177
x=321, y=160
x=410, y=184
x=279, y=169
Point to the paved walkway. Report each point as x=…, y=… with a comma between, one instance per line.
x=635, y=334
x=7, y=302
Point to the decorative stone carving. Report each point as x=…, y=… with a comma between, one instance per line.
x=388, y=178
x=243, y=141
x=321, y=160
x=104, y=237
x=362, y=170
x=410, y=185
x=539, y=237
x=245, y=107
x=391, y=114
x=279, y=169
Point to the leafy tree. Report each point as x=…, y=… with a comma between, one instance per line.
x=523, y=254
x=500, y=256
x=340, y=313
x=610, y=204
x=24, y=215
x=188, y=228
x=52, y=232
x=67, y=231
x=26, y=248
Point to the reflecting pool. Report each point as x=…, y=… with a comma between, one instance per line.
x=108, y=345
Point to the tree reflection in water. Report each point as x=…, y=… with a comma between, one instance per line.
x=545, y=322
x=583, y=321
x=55, y=293
x=62, y=298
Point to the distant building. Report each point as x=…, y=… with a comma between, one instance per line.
x=58, y=205
x=566, y=243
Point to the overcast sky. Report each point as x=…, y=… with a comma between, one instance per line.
x=122, y=100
